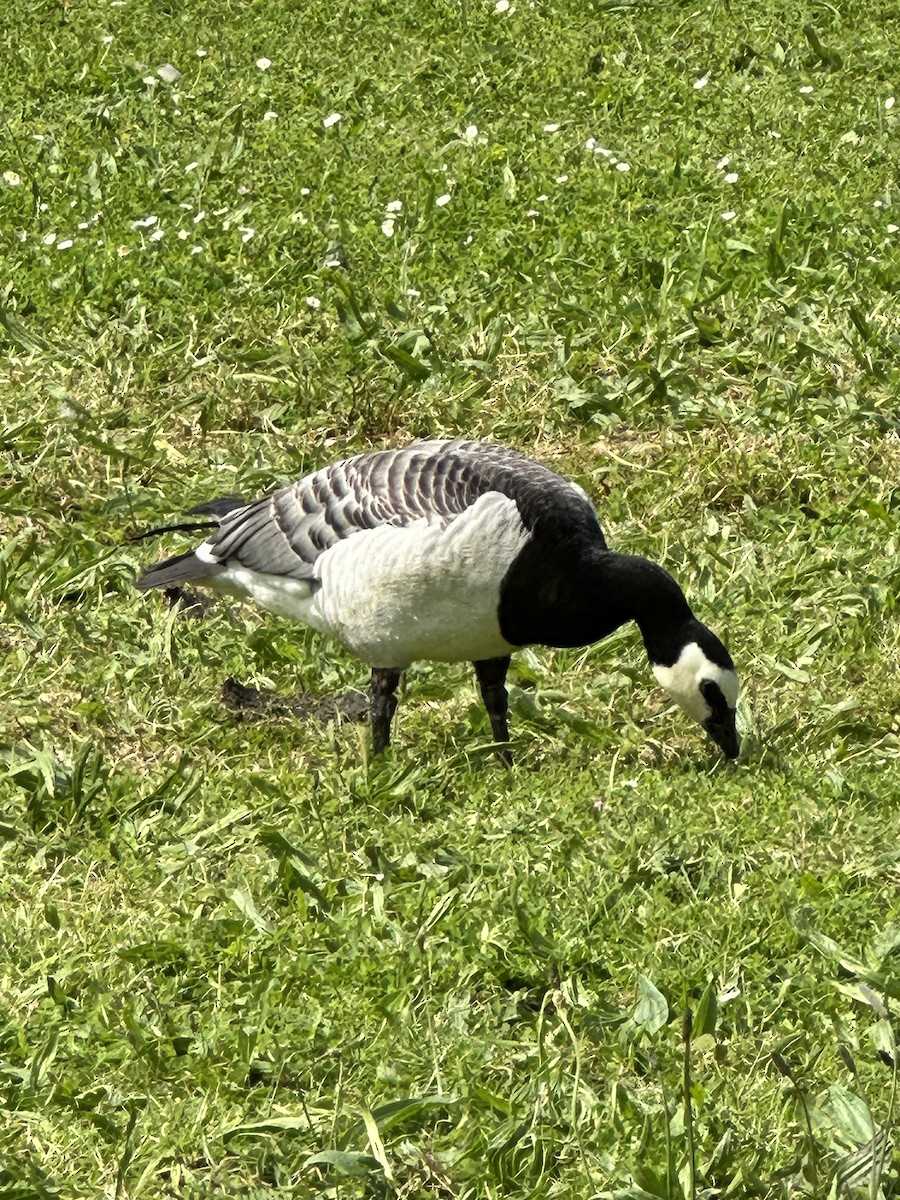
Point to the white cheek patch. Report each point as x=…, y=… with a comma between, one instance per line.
x=682, y=681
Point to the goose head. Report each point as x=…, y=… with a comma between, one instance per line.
x=699, y=675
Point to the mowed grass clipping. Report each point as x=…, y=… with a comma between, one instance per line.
x=657, y=248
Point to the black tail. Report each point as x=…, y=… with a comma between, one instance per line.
x=183, y=568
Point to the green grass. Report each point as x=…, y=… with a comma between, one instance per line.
x=237, y=957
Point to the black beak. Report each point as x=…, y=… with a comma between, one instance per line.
x=724, y=733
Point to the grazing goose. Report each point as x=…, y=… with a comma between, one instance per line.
x=453, y=550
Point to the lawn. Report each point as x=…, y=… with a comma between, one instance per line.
x=655, y=247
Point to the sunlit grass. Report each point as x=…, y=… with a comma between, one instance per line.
x=656, y=248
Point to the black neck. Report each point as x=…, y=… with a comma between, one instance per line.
x=564, y=595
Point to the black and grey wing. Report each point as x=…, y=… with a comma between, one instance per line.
x=285, y=533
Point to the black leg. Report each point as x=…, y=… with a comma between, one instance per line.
x=383, y=702
x=491, y=673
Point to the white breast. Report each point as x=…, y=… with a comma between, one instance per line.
x=393, y=595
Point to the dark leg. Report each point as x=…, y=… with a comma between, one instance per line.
x=491, y=673
x=383, y=702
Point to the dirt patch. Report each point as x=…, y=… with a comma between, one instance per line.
x=252, y=703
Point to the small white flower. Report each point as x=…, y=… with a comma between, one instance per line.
x=562, y=179
x=501, y=6
x=183, y=235
x=199, y=217
x=196, y=249
x=590, y=143
x=144, y=222
x=264, y=63
x=192, y=166
x=732, y=177
x=723, y=163
x=304, y=191
x=150, y=80
x=551, y=127
x=168, y=73
x=471, y=133
x=387, y=227
x=123, y=251
x=413, y=292
x=442, y=200
x=892, y=228
x=65, y=244
x=393, y=206
x=11, y=178
x=532, y=212
x=603, y=151
x=270, y=115
x=313, y=301
x=879, y=204
x=247, y=232
x=623, y=166
x=729, y=215
x=22, y=235
x=889, y=103
x=701, y=82
x=157, y=235
x=84, y=225
x=49, y=239
x=43, y=206
x=107, y=39
x=243, y=189
x=540, y=199
x=331, y=119
x=806, y=89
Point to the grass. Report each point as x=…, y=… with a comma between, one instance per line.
x=239, y=957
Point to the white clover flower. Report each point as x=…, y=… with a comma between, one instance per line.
x=168, y=73
x=305, y=192
x=878, y=204
x=264, y=63
x=442, y=200
x=387, y=227
x=150, y=80
x=196, y=249
x=471, y=133
x=532, y=212
x=889, y=103
x=732, y=177
x=313, y=301
x=107, y=39
x=806, y=89
x=551, y=127
x=331, y=119
x=199, y=217
x=49, y=239
x=393, y=206
x=892, y=228
x=414, y=293
x=270, y=115
x=701, y=82
x=65, y=244
x=623, y=166
x=144, y=222
x=723, y=163
x=43, y=206
x=562, y=179
x=590, y=143
x=157, y=235
x=729, y=215
x=501, y=6
x=247, y=232
x=11, y=178
x=84, y=224
x=243, y=189
x=540, y=199
x=201, y=53
x=183, y=235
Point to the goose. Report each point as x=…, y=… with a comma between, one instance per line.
x=452, y=551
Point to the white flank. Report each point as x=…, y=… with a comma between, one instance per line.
x=393, y=595
x=682, y=682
